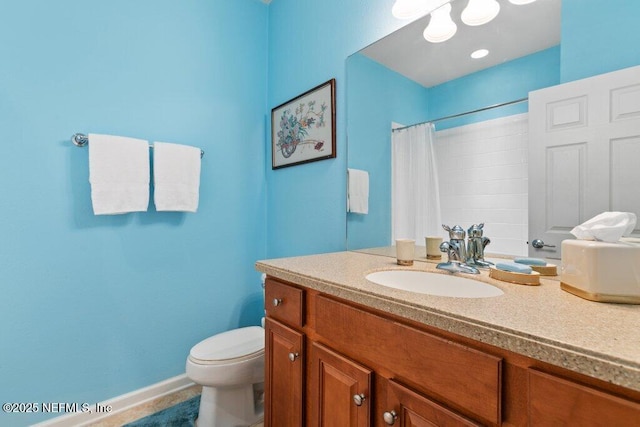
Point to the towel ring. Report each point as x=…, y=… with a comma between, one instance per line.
x=80, y=140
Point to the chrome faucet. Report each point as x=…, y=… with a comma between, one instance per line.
x=456, y=251
x=475, y=246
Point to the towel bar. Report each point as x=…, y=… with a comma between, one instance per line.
x=80, y=140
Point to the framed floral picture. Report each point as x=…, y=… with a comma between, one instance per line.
x=304, y=129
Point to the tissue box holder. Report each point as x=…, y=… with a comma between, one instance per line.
x=600, y=271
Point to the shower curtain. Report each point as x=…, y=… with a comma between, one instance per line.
x=415, y=198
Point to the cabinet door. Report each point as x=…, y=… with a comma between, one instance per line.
x=284, y=361
x=406, y=408
x=554, y=401
x=340, y=390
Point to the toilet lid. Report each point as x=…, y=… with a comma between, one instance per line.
x=230, y=345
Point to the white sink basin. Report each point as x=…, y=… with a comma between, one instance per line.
x=443, y=285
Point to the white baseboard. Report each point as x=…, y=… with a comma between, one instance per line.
x=120, y=403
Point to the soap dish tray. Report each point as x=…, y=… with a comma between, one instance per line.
x=546, y=270
x=531, y=279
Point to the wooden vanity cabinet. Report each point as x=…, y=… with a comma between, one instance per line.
x=324, y=355
x=330, y=362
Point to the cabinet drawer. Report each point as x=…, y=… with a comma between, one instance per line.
x=556, y=401
x=462, y=378
x=284, y=302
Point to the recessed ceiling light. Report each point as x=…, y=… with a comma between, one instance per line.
x=480, y=53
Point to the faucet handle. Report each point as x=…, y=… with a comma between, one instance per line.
x=476, y=230
x=456, y=232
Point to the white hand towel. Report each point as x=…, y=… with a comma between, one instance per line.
x=176, y=176
x=606, y=227
x=119, y=174
x=358, y=191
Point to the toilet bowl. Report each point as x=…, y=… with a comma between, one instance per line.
x=230, y=368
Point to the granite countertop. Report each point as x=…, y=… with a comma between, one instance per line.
x=600, y=340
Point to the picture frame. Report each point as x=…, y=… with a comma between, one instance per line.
x=303, y=129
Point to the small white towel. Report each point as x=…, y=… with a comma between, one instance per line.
x=358, y=191
x=119, y=174
x=176, y=176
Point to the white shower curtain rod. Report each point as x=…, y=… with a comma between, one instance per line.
x=453, y=116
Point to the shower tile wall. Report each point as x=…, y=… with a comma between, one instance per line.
x=483, y=177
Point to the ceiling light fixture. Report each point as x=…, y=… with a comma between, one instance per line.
x=480, y=53
x=521, y=2
x=479, y=12
x=441, y=27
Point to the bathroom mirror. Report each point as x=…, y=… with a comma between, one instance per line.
x=483, y=160
x=404, y=79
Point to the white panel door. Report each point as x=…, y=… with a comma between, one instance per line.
x=584, y=155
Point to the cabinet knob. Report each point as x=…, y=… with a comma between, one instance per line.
x=358, y=399
x=293, y=356
x=277, y=302
x=390, y=417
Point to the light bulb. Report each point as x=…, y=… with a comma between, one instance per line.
x=408, y=9
x=441, y=28
x=479, y=12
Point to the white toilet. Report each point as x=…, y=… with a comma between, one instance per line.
x=230, y=368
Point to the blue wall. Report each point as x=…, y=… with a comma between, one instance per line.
x=309, y=42
x=502, y=83
x=599, y=36
x=377, y=97
x=96, y=306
